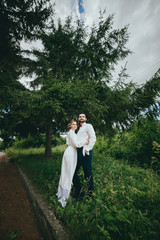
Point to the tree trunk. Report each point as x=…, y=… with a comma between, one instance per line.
x=48, y=149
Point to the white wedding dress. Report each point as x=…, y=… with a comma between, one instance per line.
x=69, y=162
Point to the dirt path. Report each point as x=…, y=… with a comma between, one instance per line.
x=16, y=217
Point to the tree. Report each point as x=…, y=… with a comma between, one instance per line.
x=73, y=70
x=73, y=74
x=18, y=20
x=145, y=99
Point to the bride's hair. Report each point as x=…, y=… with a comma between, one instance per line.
x=69, y=124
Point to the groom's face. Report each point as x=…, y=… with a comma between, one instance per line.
x=82, y=118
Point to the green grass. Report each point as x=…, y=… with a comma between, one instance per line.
x=126, y=203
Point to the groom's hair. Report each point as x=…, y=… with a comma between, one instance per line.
x=81, y=113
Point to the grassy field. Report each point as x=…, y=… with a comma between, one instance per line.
x=126, y=203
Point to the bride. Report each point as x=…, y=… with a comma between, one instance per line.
x=69, y=162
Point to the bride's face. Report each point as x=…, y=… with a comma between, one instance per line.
x=74, y=126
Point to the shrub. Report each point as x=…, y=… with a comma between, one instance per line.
x=156, y=157
x=37, y=141
x=134, y=145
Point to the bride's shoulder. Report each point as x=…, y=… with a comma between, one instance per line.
x=70, y=132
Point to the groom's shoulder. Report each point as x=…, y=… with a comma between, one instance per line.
x=89, y=125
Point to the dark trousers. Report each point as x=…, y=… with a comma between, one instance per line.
x=86, y=163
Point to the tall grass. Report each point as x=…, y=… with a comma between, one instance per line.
x=126, y=203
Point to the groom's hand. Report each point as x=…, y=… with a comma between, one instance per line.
x=87, y=142
x=87, y=152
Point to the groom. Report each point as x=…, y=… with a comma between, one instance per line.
x=84, y=155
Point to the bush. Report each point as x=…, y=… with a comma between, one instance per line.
x=37, y=141
x=156, y=158
x=134, y=145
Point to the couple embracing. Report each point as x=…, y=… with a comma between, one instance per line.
x=77, y=154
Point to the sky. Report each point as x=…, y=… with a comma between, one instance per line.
x=143, y=18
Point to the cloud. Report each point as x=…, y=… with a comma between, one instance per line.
x=143, y=18
x=63, y=8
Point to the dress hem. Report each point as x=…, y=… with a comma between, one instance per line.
x=63, y=195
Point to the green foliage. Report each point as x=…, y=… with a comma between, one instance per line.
x=73, y=73
x=134, y=145
x=37, y=141
x=126, y=201
x=18, y=20
x=156, y=157
x=71, y=69
x=70, y=72
x=146, y=98
x=17, y=120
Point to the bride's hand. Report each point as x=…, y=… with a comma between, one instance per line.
x=87, y=142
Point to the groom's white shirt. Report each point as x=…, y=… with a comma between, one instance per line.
x=87, y=132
